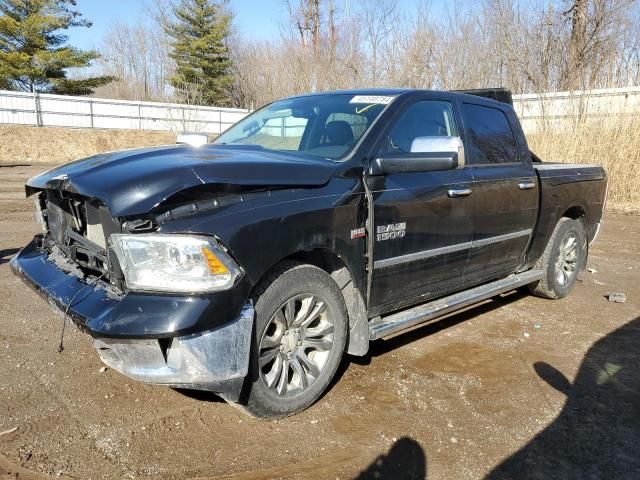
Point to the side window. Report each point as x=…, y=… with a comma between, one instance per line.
x=489, y=135
x=427, y=118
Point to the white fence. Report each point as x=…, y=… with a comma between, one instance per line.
x=46, y=110
x=565, y=109
x=536, y=111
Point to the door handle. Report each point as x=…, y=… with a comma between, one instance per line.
x=458, y=192
x=528, y=185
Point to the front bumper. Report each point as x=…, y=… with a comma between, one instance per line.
x=206, y=361
x=136, y=334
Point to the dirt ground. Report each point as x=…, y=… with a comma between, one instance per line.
x=518, y=387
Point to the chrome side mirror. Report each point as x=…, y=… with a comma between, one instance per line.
x=439, y=145
x=192, y=139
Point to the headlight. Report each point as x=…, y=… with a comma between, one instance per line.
x=174, y=263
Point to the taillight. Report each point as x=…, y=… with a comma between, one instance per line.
x=606, y=196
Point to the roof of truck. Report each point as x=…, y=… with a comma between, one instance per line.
x=500, y=95
x=359, y=91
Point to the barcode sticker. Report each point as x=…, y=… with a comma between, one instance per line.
x=372, y=99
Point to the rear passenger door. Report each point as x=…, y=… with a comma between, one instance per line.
x=504, y=190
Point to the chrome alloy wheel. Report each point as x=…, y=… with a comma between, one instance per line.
x=295, y=345
x=567, y=261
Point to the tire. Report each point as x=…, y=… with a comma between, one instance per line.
x=301, y=326
x=563, y=258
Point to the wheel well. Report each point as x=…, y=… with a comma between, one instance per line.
x=321, y=258
x=575, y=213
x=358, y=340
x=324, y=259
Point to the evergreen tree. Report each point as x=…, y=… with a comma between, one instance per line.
x=34, y=55
x=199, y=33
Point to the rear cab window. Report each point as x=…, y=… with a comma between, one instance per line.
x=490, y=138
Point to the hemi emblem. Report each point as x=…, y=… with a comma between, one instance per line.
x=358, y=233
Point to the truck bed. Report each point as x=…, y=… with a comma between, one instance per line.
x=564, y=168
x=575, y=189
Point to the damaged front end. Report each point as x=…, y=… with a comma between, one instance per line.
x=152, y=320
x=78, y=226
x=165, y=303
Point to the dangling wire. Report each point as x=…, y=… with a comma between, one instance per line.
x=66, y=310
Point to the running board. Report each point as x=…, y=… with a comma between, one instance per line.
x=396, y=322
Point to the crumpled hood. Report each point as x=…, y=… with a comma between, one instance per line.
x=134, y=181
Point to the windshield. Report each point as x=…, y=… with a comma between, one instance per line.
x=325, y=126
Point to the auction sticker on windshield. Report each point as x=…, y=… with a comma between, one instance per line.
x=379, y=99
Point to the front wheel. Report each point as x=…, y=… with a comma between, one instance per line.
x=564, y=257
x=299, y=338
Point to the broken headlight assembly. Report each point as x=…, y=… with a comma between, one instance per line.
x=40, y=215
x=174, y=263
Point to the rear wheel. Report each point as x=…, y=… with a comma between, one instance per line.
x=299, y=339
x=564, y=257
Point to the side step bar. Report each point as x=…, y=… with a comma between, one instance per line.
x=396, y=322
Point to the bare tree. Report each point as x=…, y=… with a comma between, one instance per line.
x=378, y=20
x=525, y=45
x=577, y=42
x=138, y=56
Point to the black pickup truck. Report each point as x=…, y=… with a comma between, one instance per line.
x=315, y=225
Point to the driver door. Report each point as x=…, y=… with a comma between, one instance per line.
x=422, y=220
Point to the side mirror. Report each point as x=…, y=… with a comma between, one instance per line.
x=193, y=139
x=439, y=145
x=427, y=154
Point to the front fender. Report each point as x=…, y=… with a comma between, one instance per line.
x=259, y=235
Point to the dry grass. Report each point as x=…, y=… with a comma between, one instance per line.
x=614, y=144
x=616, y=148
x=26, y=144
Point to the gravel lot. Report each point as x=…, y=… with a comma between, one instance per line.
x=518, y=387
